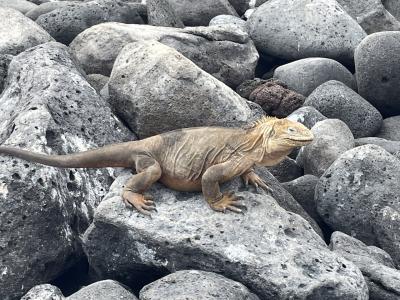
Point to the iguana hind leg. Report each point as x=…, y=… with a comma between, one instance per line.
x=148, y=171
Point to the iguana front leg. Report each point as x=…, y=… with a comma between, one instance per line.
x=250, y=177
x=221, y=173
x=148, y=171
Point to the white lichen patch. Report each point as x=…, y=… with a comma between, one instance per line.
x=148, y=255
x=3, y=190
x=239, y=253
x=4, y=271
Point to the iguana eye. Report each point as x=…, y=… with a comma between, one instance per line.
x=291, y=130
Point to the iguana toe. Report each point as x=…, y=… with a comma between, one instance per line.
x=229, y=201
x=142, y=203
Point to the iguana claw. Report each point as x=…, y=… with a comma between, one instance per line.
x=229, y=201
x=143, y=203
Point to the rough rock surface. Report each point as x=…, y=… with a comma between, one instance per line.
x=48, y=107
x=98, y=81
x=390, y=129
x=47, y=7
x=371, y=15
x=18, y=32
x=286, y=170
x=375, y=264
x=222, y=51
x=276, y=98
x=181, y=87
x=303, y=189
x=307, y=115
x=5, y=60
x=280, y=28
x=274, y=253
x=377, y=72
x=305, y=75
x=393, y=6
x=21, y=5
x=44, y=292
x=199, y=13
x=229, y=19
x=103, y=290
x=65, y=23
x=248, y=86
x=193, y=284
x=337, y=101
x=354, y=189
x=240, y=5
x=393, y=147
x=160, y=13
x=332, y=138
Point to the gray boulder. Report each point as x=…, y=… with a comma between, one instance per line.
x=390, y=129
x=193, y=284
x=305, y=75
x=354, y=189
x=332, y=138
x=386, y=228
x=393, y=147
x=160, y=13
x=274, y=253
x=48, y=107
x=294, y=29
x=222, y=51
x=229, y=19
x=44, y=292
x=337, y=101
x=103, y=290
x=18, y=32
x=393, y=6
x=371, y=15
x=375, y=264
x=199, y=13
x=248, y=86
x=286, y=170
x=47, y=7
x=377, y=72
x=303, y=189
x=307, y=115
x=66, y=22
x=5, y=60
x=240, y=5
x=186, y=94
x=21, y=5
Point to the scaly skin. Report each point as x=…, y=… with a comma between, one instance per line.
x=192, y=159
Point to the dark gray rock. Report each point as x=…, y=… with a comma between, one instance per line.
x=274, y=253
x=65, y=23
x=5, y=60
x=303, y=189
x=193, y=284
x=48, y=107
x=305, y=75
x=393, y=147
x=229, y=19
x=307, y=115
x=46, y=8
x=295, y=29
x=386, y=227
x=337, y=101
x=354, y=189
x=248, y=86
x=97, y=81
x=393, y=6
x=199, y=13
x=332, y=138
x=240, y=5
x=44, y=292
x=160, y=13
x=377, y=72
x=21, y=5
x=276, y=99
x=371, y=15
x=186, y=94
x=286, y=170
x=375, y=264
x=222, y=51
x=390, y=129
x=103, y=290
x=18, y=32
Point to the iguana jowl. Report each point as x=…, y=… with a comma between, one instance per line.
x=192, y=159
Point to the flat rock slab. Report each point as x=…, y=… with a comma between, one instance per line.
x=225, y=52
x=276, y=254
x=195, y=285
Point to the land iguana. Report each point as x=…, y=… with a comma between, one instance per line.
x=190, y=159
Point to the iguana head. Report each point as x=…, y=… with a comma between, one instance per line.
x=283, y=133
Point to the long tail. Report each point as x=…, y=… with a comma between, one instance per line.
x=115, y=155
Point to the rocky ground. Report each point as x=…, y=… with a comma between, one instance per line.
x=76, y=75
